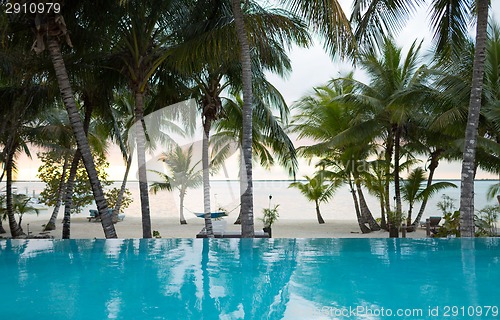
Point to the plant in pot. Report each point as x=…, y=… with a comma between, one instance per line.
x=394, y=224
x=270, y=217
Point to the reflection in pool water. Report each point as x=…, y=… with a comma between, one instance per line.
x=249, y=279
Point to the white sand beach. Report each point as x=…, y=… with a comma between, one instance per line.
x=81, y=228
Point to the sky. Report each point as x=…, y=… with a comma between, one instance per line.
x=311, y=67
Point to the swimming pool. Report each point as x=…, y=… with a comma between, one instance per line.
x=250, y=278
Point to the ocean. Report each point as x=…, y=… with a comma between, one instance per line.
x=292, y=204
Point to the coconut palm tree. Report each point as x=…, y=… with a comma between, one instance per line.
x=316, y=189
x=55, y=134
x=21, y=102
x=271, y=143
x=386, y=108
x=146, y=35
x=183, y=175
x=49, y=29
x=328, y=18
x=325, y=118
x=461, y=17
x=213, y=66
x=467, y=226
x=412, y=190
x=246, y=182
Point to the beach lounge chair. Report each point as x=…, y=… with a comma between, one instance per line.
x=94, y=215
x=434, y=223
x=232, y=234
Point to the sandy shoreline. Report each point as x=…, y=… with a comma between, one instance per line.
x=81, y=228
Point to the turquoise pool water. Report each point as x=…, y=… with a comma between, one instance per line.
x=250, y=279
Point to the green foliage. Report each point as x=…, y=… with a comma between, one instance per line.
x=446, y=205
x=270, y=216
x=485, y=221
x=112, y=197
x=51, y=170
x=317, y=188
x=394, y=218
x=451, y=225
x=156, y=234
x=21, y=205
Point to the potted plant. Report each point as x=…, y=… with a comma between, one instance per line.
x=270, y=217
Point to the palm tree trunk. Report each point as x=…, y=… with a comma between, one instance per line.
x=383, y=222
x=182, y=220
x=247, y=219
x=68, y=202
x=365, y=211
x=206, y=178
x=123, y=187
x=141, y=160
x=467, y=227
x=80, y=137
x=362, y=226
x=388, y=157
x=2, y=230
x=408, y=219
x=397, y=187
x=15, y=229
x=51, y=225
x=242, y=186
x=238, y=220
x=432, y=168
x=318, y=213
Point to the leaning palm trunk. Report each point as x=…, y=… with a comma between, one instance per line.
x=365, y=211
x=2, y=230
x=15, y=229
x=247, y=219
x=66, y=233
x=318, y=213
x=432, y=168
x=68, y=202
x=123, y=187
x=206, y=178
x=51, y=225
x=141, y=160
x=467, y=227
x=361, y=224
x=80, y=137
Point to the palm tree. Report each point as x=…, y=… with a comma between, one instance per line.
x=183, y=175
x=453, y=26
x=316, y=189
x=467, y=226
x=145, y=38
x=21, y=105
x=213, y=66
x=386, y=108
x=328, y=18
x=325, y=118
x=271, y=143
x=246, y=182
x=413, y=191
x=22, y=205
x=49, y=29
